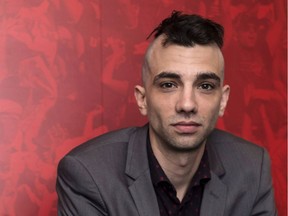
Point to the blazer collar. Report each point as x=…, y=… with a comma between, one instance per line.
x=215, y=192
x=215, y=161
x=137, y=169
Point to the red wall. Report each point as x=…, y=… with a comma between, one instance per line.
x=67, y=71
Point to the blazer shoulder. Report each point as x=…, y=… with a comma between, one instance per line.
x=234, y=152
x=110, y=139
x=224, y=139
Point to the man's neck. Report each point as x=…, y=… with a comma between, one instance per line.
x=179, y=167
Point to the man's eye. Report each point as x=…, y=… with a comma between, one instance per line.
x=167, y=85
x=206, y=86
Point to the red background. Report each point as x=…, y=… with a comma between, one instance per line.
x=67, y=71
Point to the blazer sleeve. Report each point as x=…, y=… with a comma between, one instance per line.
x=264, y=204
x=77, y=192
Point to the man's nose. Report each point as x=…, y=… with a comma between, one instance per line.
x=187, y=102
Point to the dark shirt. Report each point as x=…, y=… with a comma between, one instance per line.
x=168, y=202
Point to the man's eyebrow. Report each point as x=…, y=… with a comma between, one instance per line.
x=165, y=74
x=208, y=75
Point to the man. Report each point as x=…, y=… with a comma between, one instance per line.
x=177, y=164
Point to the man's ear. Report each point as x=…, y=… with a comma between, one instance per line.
x=139, y=93
x=224, y=99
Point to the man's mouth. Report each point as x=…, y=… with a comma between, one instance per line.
x=186, y=127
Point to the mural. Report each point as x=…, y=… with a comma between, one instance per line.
x=68, y=68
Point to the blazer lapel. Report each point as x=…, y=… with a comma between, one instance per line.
x=144, y=196
x=138, y=172
x=214, y=197
x=215, y=192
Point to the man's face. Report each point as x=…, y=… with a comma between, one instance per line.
x=182, y=94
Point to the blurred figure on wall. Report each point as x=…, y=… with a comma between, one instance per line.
x=251, y=55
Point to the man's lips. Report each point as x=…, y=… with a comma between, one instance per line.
x=186, y=127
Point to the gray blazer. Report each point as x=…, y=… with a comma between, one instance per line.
x=109, y=175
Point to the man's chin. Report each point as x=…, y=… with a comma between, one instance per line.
x=186, y=146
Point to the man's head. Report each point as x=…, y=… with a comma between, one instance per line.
x=187, y=31
x=183, y=72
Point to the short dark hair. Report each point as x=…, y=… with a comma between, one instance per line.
x=189, y=30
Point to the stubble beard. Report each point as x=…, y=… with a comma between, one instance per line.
x=181, y=143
